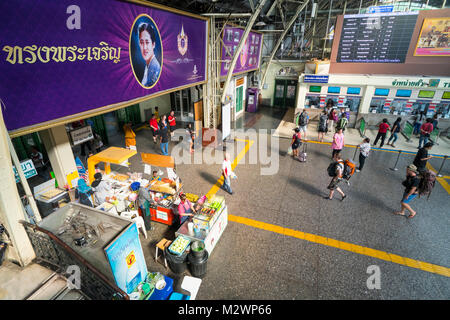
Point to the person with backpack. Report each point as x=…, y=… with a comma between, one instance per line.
x=336, y=170
x=338, y=142
x=420, y=161
x=296, y=142
x=303, y=120
x=395, y=130
x=364, y=149
x=382, y=130
x=323, y=126
x=411, y=185
x=342, y=123
x=425, y=131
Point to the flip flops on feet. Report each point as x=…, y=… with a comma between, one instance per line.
x=399, y=213
x=412, y=215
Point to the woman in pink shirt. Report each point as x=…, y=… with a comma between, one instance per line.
x=338, y=142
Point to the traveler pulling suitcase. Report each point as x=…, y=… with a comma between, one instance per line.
x=302, y=155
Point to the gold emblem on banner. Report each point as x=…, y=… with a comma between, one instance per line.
x=182, y=39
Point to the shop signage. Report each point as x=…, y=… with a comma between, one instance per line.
x=312, y=78
x=381, y=9
x=249, y=57
x=239, y=82
x=126, y=259
x=81, y=135
x=28, y=170
x=64, y=58
x=161, y=215
x=419, y=83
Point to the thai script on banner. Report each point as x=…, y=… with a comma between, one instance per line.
x=45, y=54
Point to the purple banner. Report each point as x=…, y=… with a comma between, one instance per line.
x=250, y=54
x=60, y=58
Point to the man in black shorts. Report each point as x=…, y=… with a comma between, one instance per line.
x=337, y=178
x=154, y=127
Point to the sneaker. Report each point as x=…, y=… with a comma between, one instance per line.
x=348, y=182
x=357, y=170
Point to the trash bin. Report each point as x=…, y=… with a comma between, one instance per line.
x=176, y=263
x=197, y=265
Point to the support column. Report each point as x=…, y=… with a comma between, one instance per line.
x=11, y=209
x=366, y=99
x=59, y=152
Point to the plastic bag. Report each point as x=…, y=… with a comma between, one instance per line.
x=289, y=152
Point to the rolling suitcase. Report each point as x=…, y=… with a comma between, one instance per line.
x=302, y=155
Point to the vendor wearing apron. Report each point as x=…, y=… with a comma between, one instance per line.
x=185, y=209
x=145, y=201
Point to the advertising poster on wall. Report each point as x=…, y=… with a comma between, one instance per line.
x=249, y=57
x=60, y=60
x=126, y=259
x=434, y=38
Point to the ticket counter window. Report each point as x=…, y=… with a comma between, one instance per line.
x=443, y=109
x=333, y=98
x=420, y=106
x=352, y=103
x=398, y=107
x=312, y=101
x=377, y=106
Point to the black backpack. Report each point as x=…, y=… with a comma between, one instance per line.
x=302, y=120
x=332, y=169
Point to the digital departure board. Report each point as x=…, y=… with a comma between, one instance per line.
x=376, y=38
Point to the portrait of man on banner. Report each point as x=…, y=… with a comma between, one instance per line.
x=146, y=51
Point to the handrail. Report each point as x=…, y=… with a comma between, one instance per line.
x=77, y=256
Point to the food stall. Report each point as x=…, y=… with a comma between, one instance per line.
x=208, y=223
x=165, y=191
x=122, y=198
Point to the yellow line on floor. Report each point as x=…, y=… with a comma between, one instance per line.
x=421, y=265
x=442, y=180
x=239, y=157
x=377, y=149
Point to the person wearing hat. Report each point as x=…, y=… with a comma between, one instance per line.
x=101, y=189
x=185, y=209
x=420, y=161
x=411, y=185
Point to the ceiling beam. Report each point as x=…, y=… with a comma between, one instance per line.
x=239, y=48
x=280, y=39
x=252, y=5
x=274, y=4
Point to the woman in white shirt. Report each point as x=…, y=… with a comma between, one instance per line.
x=364, y=149
x=102, y=189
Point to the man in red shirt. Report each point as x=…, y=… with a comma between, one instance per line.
x=425, y=130
x=382, y=130
x=154, y=127
x=172, y=123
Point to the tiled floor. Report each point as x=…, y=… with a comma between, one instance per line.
x=251, y=263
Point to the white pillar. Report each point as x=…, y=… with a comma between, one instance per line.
x=302, y=89
x=59, y=152
x=11, y=209
x=366, y=99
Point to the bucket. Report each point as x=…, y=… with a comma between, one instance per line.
x=197, y=266
x=198, y=249
x=176, y=263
